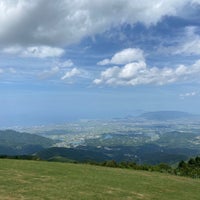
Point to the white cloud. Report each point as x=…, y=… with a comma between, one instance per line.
x=59, y=23
x=188, y=94
x=65, y=64
x=190, y=44
x=138, y=73
x=35, y=51
x=42, y=52
x=125, y=56
x=190, y=47
x=72, y=73
x=59, y=68
x=186, y=44
x=12, y=50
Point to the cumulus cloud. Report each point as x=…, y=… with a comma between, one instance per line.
x=60, y=23
x=35, y=51
x=138, y=73
x=72, y=73
x=123, y=57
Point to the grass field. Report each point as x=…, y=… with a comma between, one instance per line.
x=21, y=180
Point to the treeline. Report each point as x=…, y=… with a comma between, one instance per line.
x=191, y=168
x=20, y=157
x=162, y=167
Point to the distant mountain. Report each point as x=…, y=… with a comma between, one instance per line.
x=17, y=143
x=166, y=115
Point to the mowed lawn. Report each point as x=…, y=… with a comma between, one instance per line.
x=47, y=180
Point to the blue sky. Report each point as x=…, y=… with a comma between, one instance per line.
x=66, y=60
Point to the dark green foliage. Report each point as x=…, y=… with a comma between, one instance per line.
x=20, y=157
x=197, y=160
x=147, y=154
x=190, y=168
x=192, y=162
x=126, y=164
x=110, y=163
x=162, y=167
x=182, y=164
x=78, y=155
x=161, y=157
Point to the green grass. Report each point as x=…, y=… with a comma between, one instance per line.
x=22, y=180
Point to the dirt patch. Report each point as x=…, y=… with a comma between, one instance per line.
x=135, y=194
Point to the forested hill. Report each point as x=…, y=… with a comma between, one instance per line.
x=13, y=142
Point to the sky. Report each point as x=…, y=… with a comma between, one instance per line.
x=67, y=60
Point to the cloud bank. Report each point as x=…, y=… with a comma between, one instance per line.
x=138, y=73
x=35, y=51
x=60, y=23
x=43, y=29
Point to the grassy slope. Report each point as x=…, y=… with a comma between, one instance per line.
x=44, y=180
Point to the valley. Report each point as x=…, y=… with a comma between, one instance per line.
x=142, y=140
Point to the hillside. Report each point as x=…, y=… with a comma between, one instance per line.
x=43, y=180
x=79, y=155
x=13, y=142
x=148, y=154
